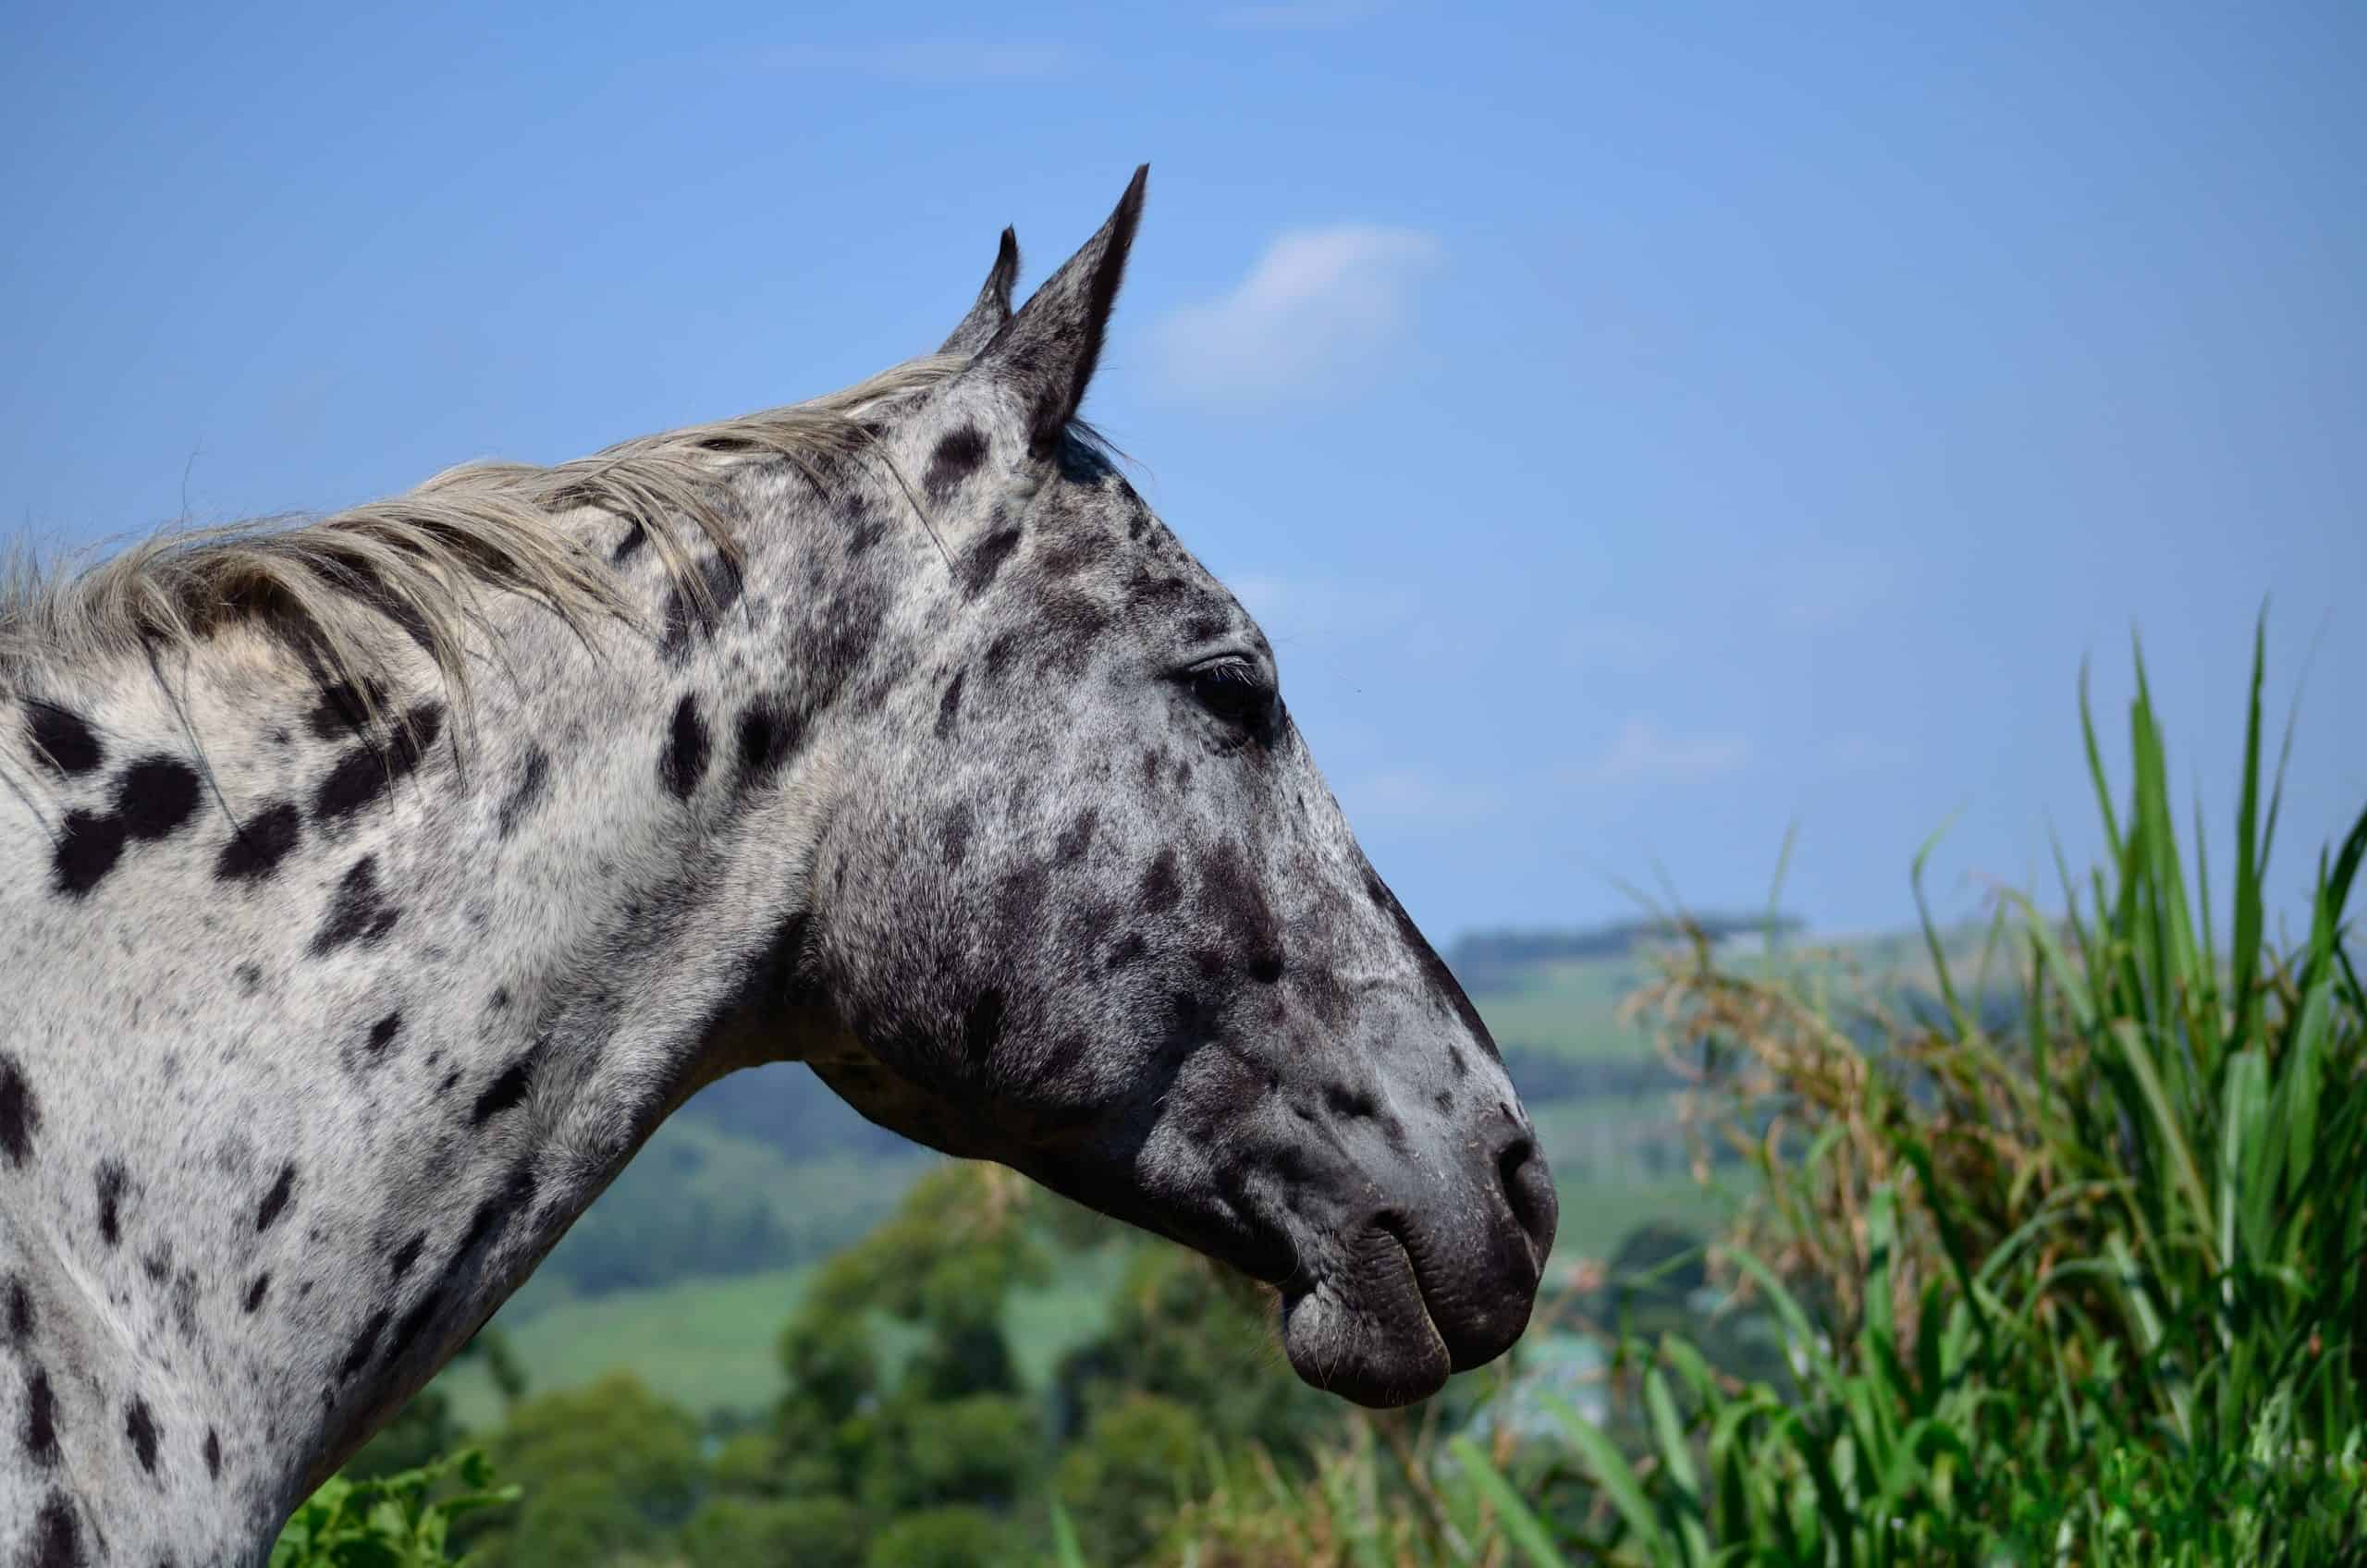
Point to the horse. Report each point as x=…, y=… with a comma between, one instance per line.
x=376, y=885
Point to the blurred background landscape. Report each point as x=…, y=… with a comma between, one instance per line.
x=1685, y=459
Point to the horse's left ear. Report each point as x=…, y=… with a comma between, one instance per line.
x=1045, y=354
x=993, y=309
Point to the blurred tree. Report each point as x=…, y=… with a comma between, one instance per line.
x=815, y=1532
x=1201, y=1336
x=747, y=1465
x=1127, y=1473
x=606, y=1469
x=977, y=1449
x=957, y=1536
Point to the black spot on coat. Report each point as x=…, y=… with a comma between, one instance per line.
x=62, y=739
x=533, y=784
x=366, y=772
x=342, y=711
x=19, y=1112
x=357, y=1354
x=273, y=1205
x=949, y=707
x=139, y=1426
x=956, y=457
x=682, y=763
x=1161, y=888
x=627, y=548
x=690, y=612
x=1077, y=837
x=1239, y=908
x=89, y=844
x=768, y=734
x=494, y=1214
x=39, y=1430
x=1351, y=1105
x=257, y=845
x=357, y=911
x=505, y=1091
x=956, y=835
x=985, y=559
x=405, y=1255
x=111, y=1179
x=58, y=1536
x=213, y=1455
x=383, y=1032
x=255, y=1291
x=416, y=1319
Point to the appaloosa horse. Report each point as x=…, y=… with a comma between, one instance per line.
x=369, y=890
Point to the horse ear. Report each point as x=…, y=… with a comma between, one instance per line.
x=1046, y=353
x=993, y=309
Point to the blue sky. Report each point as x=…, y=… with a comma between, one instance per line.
x=1639, y=430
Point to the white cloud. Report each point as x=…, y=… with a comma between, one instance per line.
x=1320, y=304
x=1296, y=16
x=935, y=61
x=1645, y=752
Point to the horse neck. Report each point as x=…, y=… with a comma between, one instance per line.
x=329, y=1054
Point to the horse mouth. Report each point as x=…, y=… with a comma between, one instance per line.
x=1366, y=1331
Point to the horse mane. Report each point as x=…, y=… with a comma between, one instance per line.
x=420, y=559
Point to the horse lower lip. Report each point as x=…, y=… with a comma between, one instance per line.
x=1350, y=1334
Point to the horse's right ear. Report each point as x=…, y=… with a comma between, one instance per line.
x=993, y=309
x=1045, y=355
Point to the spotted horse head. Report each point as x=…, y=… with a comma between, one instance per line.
x=1082, y=904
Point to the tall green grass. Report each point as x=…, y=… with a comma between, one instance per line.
x=2086, y=1288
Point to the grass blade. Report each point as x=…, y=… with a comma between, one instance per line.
x=1519, y=1522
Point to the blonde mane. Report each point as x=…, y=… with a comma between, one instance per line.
x=420, y=559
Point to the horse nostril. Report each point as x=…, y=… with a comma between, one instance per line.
x=1529, y=1190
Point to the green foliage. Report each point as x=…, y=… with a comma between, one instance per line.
x=606, y=1469
x=1201, y=1337
x=956, y=1536
x=401, y=1520
x=812, y=1532
x=1120, y=1482
x=747, y=1465
x=977, y=1448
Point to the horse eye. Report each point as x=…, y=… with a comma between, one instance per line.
x=1235, y=692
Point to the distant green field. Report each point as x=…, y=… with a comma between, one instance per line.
x=1569, y=1009
x=711, y=1344
x=703, y=1343
x=1596, y=1215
